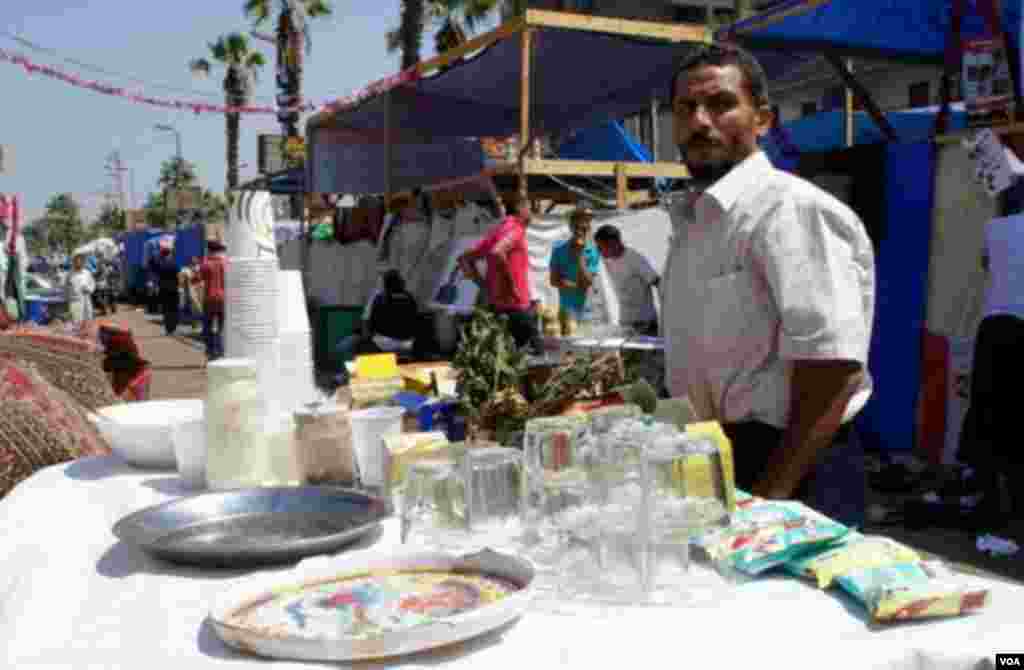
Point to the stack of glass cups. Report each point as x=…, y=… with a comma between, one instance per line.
x=555, y=481
x=466, y=500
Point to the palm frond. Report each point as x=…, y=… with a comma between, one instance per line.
x=200, y=67
x=257, y=10
x=219, y=49
x=393, y=40
x=237, y=47
x=318, y=8
x=253, y=63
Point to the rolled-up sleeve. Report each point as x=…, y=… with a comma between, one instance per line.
x=810, y=259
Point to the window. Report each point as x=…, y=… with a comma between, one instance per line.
x=808, y=108
x=919, y=94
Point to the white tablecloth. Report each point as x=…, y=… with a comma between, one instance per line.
x=71, y=596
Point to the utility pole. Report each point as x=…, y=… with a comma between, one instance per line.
x=116, y=169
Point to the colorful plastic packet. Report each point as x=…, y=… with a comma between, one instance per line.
x=912, y=591
x=855, y=552
x=765, y=534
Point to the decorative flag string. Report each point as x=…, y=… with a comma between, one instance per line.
x=376, y=88
x=107, y=89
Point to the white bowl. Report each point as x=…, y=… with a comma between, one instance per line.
x=189, y=438
x=140, y=432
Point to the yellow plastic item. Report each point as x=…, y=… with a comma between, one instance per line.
x=377, y=366
x=411, y=447
x=699, y=481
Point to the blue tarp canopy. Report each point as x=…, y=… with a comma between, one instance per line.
x=579, y=79
x=825, y=131
x=907, y=30
x=606, y=142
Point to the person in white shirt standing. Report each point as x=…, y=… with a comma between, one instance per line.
x=634, y=279
x=768, y=297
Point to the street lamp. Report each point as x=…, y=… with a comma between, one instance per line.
x=180, y=162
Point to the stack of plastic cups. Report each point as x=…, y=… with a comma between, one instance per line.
x=251, y=323
x=296, y=386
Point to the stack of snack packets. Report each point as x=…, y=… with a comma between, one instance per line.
x=765, y=534
x=912, y=591
x=856, y=551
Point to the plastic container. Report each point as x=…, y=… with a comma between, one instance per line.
x=369, y=428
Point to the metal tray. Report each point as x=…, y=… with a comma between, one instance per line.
x=255, y=526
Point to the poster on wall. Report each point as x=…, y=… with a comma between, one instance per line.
x=986, y=82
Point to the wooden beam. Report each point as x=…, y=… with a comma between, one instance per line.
x=1005, y=129
x=672, y=32
x=507, y=29
x=524, y=109
x=770, y=18
x=567, y=168
x=621, y=185
x=854, y=85
x=849, y=118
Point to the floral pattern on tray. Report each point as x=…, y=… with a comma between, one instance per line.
x=368, y=605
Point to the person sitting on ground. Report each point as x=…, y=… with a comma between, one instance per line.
x=394, y=316
x=633, y=277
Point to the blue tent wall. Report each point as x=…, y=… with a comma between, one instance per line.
x=901, y=294
x=188, y=243
x=605, y=142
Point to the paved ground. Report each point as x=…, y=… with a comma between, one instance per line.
x=179, y=365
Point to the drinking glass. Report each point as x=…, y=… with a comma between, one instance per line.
x=433, y=504
x=555, y=480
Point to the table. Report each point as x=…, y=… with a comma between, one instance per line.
x=71, y=596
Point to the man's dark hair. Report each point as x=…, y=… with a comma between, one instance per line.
x=393, y=282
x=720, y=55
x=608, y=233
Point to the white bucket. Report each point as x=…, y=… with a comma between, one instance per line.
x=369, y=428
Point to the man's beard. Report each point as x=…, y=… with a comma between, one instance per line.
x=707, y=174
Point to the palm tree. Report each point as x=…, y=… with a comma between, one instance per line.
x=454, y=20
x=242, y=66
x=293, y=42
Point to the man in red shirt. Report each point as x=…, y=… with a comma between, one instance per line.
x=506, y=283
x=211, y=274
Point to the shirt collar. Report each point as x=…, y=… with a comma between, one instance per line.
x=727, y=190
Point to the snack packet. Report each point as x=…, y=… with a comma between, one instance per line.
x=766, y=534
x=912, y=591
x=855, y=552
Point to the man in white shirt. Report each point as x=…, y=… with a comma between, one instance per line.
x=634, y=279
x=768, y=297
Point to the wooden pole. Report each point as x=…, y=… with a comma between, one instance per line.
x=524, y=110
x=621, y=184
x=849, y=117
x=655, y=122
x=858, y=89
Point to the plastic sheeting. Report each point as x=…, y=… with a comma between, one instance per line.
x=907, y=29
x=901, y=270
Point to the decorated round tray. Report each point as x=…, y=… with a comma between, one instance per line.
x=371, y=604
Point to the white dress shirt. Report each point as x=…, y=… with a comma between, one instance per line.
x=765, y=269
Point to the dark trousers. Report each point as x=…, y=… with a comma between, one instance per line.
x=835, y=485
x=213, y=330
x=522, y=325
x=986, y=439
x=171, y=310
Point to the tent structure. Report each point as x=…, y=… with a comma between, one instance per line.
x=905, y=30
x=423, y=125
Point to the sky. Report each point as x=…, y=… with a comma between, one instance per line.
x=60, y=136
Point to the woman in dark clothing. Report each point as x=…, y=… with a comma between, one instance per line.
x=166, y=271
